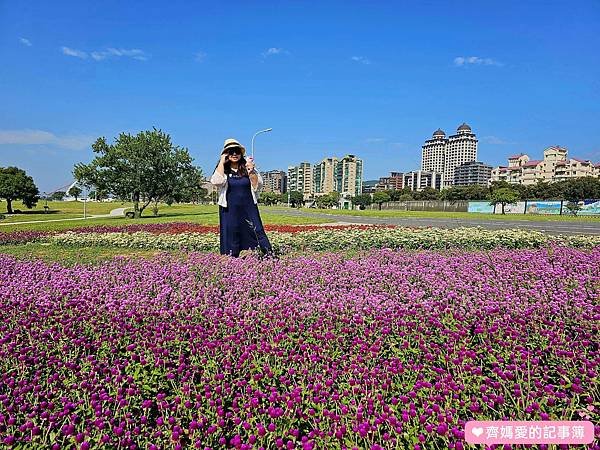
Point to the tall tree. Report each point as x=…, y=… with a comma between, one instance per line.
x=15, y=184
x=363, y=200
x=504, y=196
x=75, y=192
x=582, y=188
x=380, y=197
x=269, y=198
x=428, y=193
x=294, y=198
x=146, y=167
x=328, y=200
x=57, y=195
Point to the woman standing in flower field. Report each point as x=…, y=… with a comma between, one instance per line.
x=239, y=220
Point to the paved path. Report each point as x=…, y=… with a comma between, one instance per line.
x=550, y=227
x=118, y=212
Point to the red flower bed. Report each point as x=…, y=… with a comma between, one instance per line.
x=186, y=227
x=21, y=237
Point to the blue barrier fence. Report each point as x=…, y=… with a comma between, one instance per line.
x=549, y=207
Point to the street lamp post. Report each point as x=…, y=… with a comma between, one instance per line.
x=256, y=134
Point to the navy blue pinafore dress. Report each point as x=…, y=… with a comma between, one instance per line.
x=240, y=224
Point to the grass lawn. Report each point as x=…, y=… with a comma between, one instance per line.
x=200, y=214
x=59, y=210
x=453, y=215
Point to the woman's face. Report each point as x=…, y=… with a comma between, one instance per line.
x=234, y=154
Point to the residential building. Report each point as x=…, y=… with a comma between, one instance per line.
x=556, y=166
x=349, y=176
x=434, y=152
x=461, y=148
x=274, y=181
x=369, y=186
x=472, y=172
x=393, y=182
x=300, y=178
x=421, y=179
x=343, y=175
x=443, y=154
x=324, y=176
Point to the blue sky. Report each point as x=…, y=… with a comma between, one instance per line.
x=373, y=79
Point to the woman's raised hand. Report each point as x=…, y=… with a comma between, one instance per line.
x=250, y=164
x=223, y=158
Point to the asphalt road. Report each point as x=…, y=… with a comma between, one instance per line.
x=550, y=227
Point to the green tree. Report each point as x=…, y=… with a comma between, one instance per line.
x=295, y=198
x=328, y=200
x=190, y=188
x=453, y=194
x=380, y=197
x=427, y=194
x=269, y=198
x=477, y=192
x=58, y=195
x=504, y=196
x=146, y=167
x=75, y=192
x=15, y=184
x=362, y=200
x=578, y=189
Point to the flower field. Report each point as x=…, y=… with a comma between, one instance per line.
x=389, y=349
x=286, y=238
x=333, y=239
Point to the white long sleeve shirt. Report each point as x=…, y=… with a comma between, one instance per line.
x=220, y=181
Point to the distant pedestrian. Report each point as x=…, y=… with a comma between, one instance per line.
x=239, y=184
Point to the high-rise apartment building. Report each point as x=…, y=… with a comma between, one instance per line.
x=343, y=175
x=300, y=178
x=434, y=152
x=274, y=181
x=324, y=176
x=472, y=172
x=349, y=176
x=443, y=155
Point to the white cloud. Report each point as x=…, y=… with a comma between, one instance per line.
x=199, y=56
x=274, y=51
x=361, y=59
x=99, y=55
x=461, y=61
x=25, y=41
x=73, y=52
x=40, y=137
x=134, y=53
